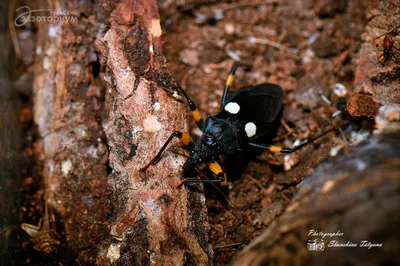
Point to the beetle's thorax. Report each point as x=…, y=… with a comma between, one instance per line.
x=220, y=135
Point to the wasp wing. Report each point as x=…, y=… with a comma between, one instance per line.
x=260, y=104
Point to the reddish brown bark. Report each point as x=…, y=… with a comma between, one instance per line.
x=123, y=215
x=74, y=146
x=362, y=105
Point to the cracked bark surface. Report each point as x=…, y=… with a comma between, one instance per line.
x=99, y=129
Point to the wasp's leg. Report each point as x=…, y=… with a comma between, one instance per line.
x=216, y=168
x=182, y=136
x=273, y=148
x=195, y=112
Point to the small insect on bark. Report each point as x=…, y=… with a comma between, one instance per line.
x=388, y=46
x=42, y=234
x=246, y=116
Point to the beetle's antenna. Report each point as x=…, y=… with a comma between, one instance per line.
x=217, y=188
x=388, y=32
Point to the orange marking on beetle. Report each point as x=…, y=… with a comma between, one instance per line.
x=185, y=139
x=230, y=79
x=216, y=169
x=196, y=115
x=275, y=149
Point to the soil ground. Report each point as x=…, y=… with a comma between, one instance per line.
x=305, y=47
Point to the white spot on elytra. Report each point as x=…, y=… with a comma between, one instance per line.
x=250, y=129
x=232, y=108
x=151, y=49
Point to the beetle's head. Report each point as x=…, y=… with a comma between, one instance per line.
x=196, y=158
x=203, y=150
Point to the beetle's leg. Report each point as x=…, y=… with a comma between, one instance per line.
x=228, y=84
x=273, y=148
x=199, y=180
x=216, y=168
x=32, y=230
x=395, y=57
x=182, y=136
x=195, y=112
x=378, y=43
x=381, y=58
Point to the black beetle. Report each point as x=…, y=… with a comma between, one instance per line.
x=246, y=115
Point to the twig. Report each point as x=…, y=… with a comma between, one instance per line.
x=287, y=128
x=243, y=5
x=216, y=228
x=282, y=35
x=255, y=181
x=272, y=44
x=14, y=38
x=231, y=214
x=270, y=189
x=230, y=245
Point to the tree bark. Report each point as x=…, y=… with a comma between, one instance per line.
x=379, y=79
x=354, y=195
x=100, y=129
x=10, y=141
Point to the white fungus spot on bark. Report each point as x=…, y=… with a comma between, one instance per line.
x=52, y=32
x=156, y=106
x=151, y=124
x=66, y=167
x=113, y=252
x=232, y=108
x=327, y=186
x=47, y=63
x=250, y=129
x=155, y=28
x=335, y=150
